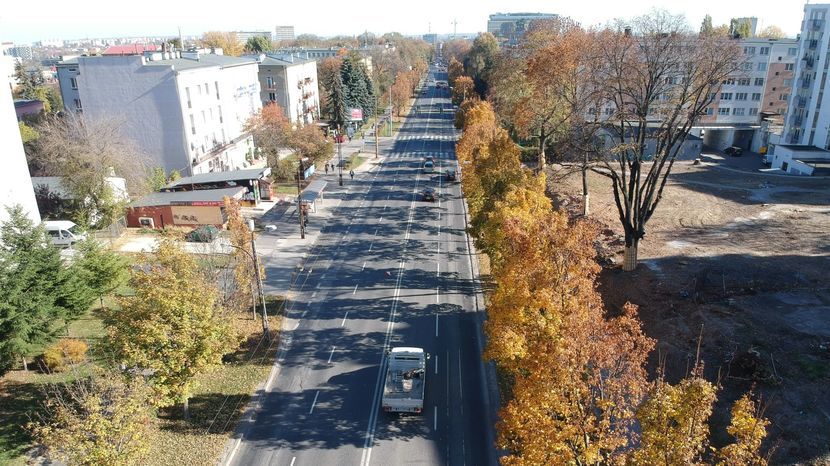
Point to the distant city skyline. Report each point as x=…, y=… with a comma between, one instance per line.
x=54, y=19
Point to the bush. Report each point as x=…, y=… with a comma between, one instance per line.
x=63, y=353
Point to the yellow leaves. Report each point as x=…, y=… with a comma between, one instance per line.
x=749, y=428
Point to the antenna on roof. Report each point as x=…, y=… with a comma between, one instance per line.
x=181, y=41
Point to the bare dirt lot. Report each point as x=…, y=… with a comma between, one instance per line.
x=742, y=259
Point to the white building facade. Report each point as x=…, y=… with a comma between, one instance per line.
x=15, y=180
x=291, y=82
x=185, y=110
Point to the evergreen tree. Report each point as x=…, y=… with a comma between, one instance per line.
x=706, y=27
x=104, y=269
x=337, y=100
x=40, y=295
x=356, y=84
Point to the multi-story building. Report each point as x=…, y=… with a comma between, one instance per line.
x=511, y=26
x=284, y=33
x=243, y=36
x=761, y=89
x=327, y=52
x=808, y=120
x=21, y=51
x=290, y=81
x=185, y=110
x=15, y=181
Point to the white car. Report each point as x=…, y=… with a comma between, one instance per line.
x=63, y=232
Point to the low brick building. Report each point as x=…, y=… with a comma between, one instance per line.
x=182, y=208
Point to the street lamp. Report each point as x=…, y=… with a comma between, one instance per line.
x=340, y=156
x=252, y=255
x=300, y=201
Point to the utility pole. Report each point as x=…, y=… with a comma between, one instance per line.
x=340, y=157
x=454, y=27
x=265, y=330
x=377, y=125
x=300, y=201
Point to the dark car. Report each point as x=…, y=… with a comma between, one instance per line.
x=451, y=175
x=734, y=151
x=203, y=234
x=429, y=195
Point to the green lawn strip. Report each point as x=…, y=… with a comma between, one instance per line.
x=284, y=188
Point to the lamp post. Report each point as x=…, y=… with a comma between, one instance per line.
x=340, y=157
x=265, y=330
x=300, y=201
x=377, y=125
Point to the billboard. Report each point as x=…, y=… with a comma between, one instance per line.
x=355, y=114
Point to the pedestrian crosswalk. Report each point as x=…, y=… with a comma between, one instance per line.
x=427, y=137
x=439, y=155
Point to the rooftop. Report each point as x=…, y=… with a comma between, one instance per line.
x=803, y=148
x=204, y=61
x=283, y=59
x=219, y=177
x=130, y=49
x=188, y=197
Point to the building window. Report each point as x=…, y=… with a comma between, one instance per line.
x=792, y=51
x=192, y=124
x=207, y=89
x=753, y=111
x=759, y=81
x=725, y=96
x=762, y=66
x=788, y=67
x=729, y=81
x=709, y=111
x=272, y=97
x=749, y=50
x=609, y=111
x=738, y=111
x=204, y=117
x=756, y=96
x=788, y=82
x=784, y=97
x=764, y=51
x=269, y=83
x=221, y=120
x=748, y=66
x=743, y=82
x=723, y=111
x=217, y=90
x=189, y=103
x=740, y=96
x=78, y=106
x=73, y=82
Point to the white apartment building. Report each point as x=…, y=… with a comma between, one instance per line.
x=284, y=33
x=290, y=80
x=185, y=110
x=762, y=88
x=15, y=181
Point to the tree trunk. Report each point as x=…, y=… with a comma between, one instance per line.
x=586, y=199
x=25, y=365
x=543, y=139
x=186, y=407
x=630, y=259
x=102, y=302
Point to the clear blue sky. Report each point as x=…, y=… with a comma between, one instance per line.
x=24, y=22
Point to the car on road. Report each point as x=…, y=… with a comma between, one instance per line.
x=429, y=165
x=451, y=175
x=428, y=195
x=734, y=151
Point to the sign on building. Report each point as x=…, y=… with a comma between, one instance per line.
x=356, y=114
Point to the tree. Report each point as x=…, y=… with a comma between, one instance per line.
x=84, y=152
x=227, y=41
x=309, y=142
x=103, y=419
x=749, y=428
x=456, y=49
x=480, y=61
x=740, y=28
x=462, y=89
x=41, y=296
x=706, y=28
x=659, y=80
x=401, y=92
x=169, y=327
x=772, y=32
x=271, y=131
x=454, y=71
x=258, y=44
x=338, y=109
x=27, y=133
x=105, y=270
x=156, y=179
x=242, y=294
x=175, y=42
x=357, y=88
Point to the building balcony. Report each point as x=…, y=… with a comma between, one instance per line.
x=801, y=102
x=796, y=120
x=812, y=44
x=815, y=24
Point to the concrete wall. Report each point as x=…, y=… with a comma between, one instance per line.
x=15, y=182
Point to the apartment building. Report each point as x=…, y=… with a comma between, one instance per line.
x=290, y=80
x=15, y=181
x=185, y=110
x=510, y=27
x=244, y=36
x=284, y=33
x=761, y=89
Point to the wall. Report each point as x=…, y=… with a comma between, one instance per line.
x=167, y=216
x=15, y=182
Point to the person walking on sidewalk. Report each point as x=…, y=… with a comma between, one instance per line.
x=327, y=168
x=351, y=173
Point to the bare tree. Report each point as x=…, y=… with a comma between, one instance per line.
x=659, y=78
x=84, y=152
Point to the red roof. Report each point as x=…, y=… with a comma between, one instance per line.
x=130, y=49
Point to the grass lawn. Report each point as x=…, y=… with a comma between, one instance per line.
x=284, y=188
x=215, y=408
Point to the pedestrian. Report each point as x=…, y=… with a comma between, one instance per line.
x=350, y=138
x=351, y=173
x=327, y=168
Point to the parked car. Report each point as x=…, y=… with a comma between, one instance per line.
x=202, y=234
x=428, y=166
x=734, y=151
x=63, y=232
x=451, y=175
x=429, y=195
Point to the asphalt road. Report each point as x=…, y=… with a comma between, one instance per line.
x=388, y=270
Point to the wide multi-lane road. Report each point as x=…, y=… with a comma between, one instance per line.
x=389, y=270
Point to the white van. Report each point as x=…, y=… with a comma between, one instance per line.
x=63, y=232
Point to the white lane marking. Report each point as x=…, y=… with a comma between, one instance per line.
x=313, y=295
x=364, y=267
x=317, y=286
x=381, y=220
x=437, y=269
x=435, y=419
x=331, y=354
x=371, y=245
x=344, y=319
x=436, y=364
x=292, y=460
x=322, y=277
x=436, y=325
x=460, y=391
x=314, y=402
x=309, y=270
x=355, y=289
x=437, y=294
